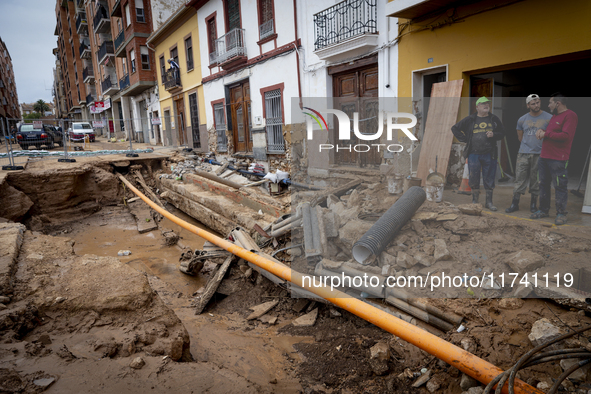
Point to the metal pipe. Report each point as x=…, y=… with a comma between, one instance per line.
x=286, y=229
x=420, y=314
x=457, y=357
x=377, y=238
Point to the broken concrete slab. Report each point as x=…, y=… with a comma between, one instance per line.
x=425, y=216
x=404, y=260
x=271, y=320
x=143, y=218
x=543, y=331
x=307, y=320
x=447, y=217
x=260, y=310
x=524, y=261
x=468, y=382
x=471, y=209
x=380, y=351
x=441, y=252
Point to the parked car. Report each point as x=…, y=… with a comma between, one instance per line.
x=79, y=130
x=28, y=136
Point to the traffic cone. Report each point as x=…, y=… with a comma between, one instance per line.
x=465, y=187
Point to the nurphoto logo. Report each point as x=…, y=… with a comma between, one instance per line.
x=344, y=129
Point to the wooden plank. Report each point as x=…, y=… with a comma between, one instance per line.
x=442, y=114
x=212, y=285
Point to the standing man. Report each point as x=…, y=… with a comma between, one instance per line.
x=480, y=131
x=557, y=140
x=526, y=170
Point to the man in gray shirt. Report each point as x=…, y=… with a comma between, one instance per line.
x=526, y=170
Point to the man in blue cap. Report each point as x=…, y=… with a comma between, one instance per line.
x=481, y=131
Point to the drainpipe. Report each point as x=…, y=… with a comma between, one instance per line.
x=295, y=25
x=457, y=357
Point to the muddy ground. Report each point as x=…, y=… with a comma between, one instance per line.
x=79, y=315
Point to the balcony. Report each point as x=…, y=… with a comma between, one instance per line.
x=84, y=50
x=101, y=21
x=348, y=28
x=267, y=29
x=106, y=49
x=81, y=24
x=120, y=39
x=124, y=82
x=116, y=11
x=88, y=75
x=230, y=49
x=89, y=99
x=109, y=87
x=172, y=79
x=414, y=9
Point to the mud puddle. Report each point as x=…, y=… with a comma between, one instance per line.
x=259, y=354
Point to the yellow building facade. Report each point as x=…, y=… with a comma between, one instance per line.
x=180, y=91
x=502, y=49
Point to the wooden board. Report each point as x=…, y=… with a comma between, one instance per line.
x=442, y=114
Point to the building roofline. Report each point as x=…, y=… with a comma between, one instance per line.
x=169, y=23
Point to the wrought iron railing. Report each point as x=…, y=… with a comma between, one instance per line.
x=172, y=78
x=100, y=14
x=230, y=45
x=107, y=84
x=274, y=122
x=86, y=73
x=80, y=19
x=120, y=39
x=105, y=49
x=83, y=47
x=266, y=29
x=124, y=82
x=345, y=20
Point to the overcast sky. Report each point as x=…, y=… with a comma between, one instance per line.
x=26, y=27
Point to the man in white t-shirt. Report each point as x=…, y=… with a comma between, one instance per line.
x=526, y=168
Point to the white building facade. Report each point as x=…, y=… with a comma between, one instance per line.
x=250, y=73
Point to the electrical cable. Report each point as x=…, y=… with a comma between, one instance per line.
x=512, y=372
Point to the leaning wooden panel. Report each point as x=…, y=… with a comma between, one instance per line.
x=442, y=114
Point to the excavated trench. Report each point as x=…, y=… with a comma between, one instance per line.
x=80, y=314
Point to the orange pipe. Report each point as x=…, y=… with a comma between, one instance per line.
x=457, y=357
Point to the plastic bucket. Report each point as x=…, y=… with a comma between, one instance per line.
x=395, y=183
x=410, y=182
x=434, y=192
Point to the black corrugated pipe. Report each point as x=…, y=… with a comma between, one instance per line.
x=375, y=240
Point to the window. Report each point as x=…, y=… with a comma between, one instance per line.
x=145, y=58
x=174, y=54
x=266, y=27
x=139, y=11
x=274, y=121
x=162, y=68
x=212, y=34
x=127, y=15
x=194, y=120
x=220, y=127
x=132, y=60
x=232, y=14
x=189, y=53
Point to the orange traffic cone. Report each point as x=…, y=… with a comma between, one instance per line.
x=465, y=187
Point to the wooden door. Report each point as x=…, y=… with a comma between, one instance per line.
x=180, y=121
x=240, y=112
x=481, y=87
x=357, y=91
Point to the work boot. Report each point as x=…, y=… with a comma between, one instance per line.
x=538, y=215
x=514, y=204
x=489, y=203
x=560, y=219
x=534, y=206
x=475, y=195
